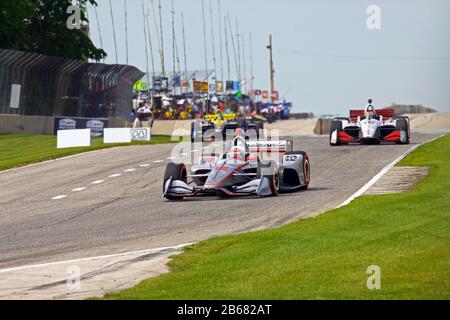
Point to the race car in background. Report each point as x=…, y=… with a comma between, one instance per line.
x=240, y=171
x=222, y=124
x=374, y=129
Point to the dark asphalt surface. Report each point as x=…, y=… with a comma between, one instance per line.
x=127, y=213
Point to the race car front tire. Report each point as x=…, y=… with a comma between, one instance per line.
x=175, y=172
x=335, y=126
x=402, y=124
x=263, y=169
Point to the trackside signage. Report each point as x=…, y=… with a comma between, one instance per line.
x=95, y=125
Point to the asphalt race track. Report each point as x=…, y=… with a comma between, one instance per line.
x=42, y=219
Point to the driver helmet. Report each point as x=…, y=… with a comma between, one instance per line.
x=239, y=132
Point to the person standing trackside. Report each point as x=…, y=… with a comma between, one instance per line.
x=144, y=116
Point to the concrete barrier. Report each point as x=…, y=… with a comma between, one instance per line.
x=322, y=127
x=26, y=124
x=166, y=128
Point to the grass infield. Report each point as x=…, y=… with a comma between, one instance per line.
x=21, y=149
x=327, y=257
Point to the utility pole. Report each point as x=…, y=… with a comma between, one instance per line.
x=238, y=50
x=236, y=60
x=158, y=38
x=227, y=49
x=126, y=30
x=220, y=40
x=146, y=43
x=162, y=39
x=272, y=71
x=114, y=31
x=150, y=43
x=99, y=30
x=213, y=38
x=173, y=49
x=185, y=57
x=251, y=63
x=244, y=58
x=205, y=40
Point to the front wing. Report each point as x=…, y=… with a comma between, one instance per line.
x=180, y=189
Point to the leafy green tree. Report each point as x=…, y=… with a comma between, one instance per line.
x=41, y=26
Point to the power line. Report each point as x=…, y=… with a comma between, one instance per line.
x=337, y=56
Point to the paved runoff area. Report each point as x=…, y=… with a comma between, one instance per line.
x=56, y=217
x=399, y=180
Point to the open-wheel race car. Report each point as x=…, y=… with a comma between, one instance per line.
x=379, y=127
x=222, y=124
x=240, y=171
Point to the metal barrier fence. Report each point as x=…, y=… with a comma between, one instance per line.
x=55, y=86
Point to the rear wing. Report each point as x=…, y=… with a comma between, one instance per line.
x=226, y=117
x=271, y=146
x=385, y=113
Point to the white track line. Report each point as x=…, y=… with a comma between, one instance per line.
x=144, y=165
x=59, y=197
x=98, y=182
x=115, y=175
x=158, y=161
x=130, y=170
x=143, y=252
x=385, y=170
x=79, y=189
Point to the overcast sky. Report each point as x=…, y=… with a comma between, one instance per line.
x=326, y=58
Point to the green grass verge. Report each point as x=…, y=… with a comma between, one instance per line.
x=22, y=149
x=327, y=257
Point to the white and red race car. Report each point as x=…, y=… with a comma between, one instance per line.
x=373, y=129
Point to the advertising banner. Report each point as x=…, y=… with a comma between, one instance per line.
x=219, y=86
x=96, y=125
x=160, y=83
x=176, y=81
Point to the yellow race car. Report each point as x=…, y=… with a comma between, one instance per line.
x=224, y=125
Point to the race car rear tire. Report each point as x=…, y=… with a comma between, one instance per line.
x=175, y=172
x=402, y=124
x=335, y=125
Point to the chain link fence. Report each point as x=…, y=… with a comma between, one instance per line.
x=36, y=84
